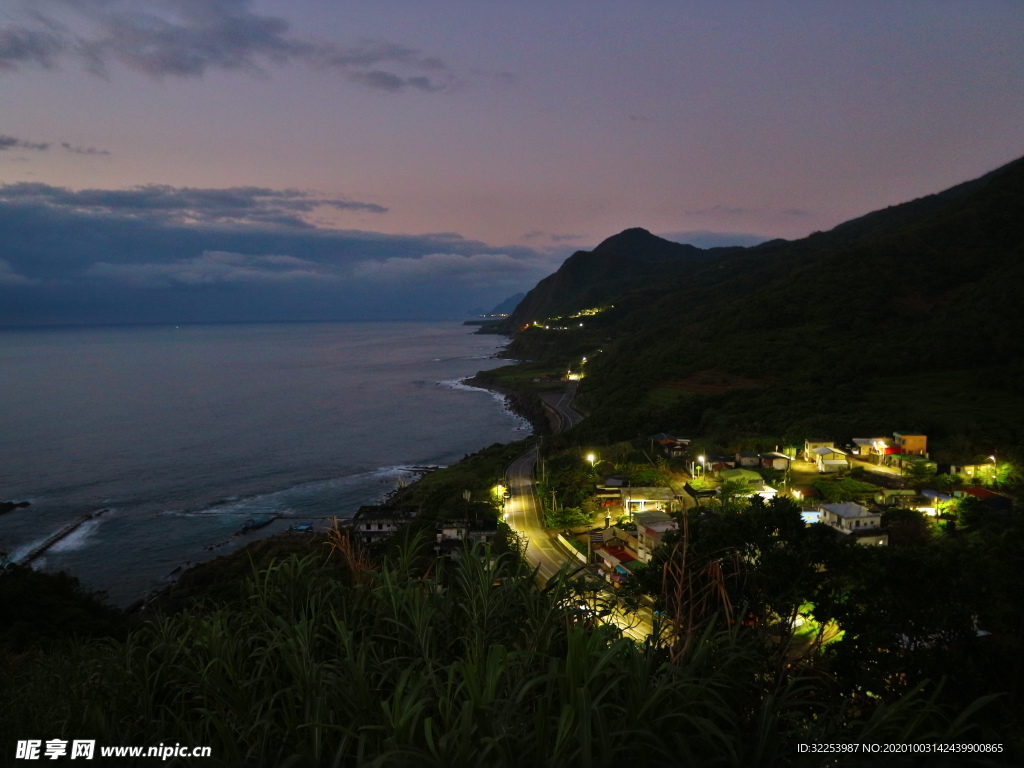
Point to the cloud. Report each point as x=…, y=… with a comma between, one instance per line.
x=10, y=142
x=158, y=202
x=166, y=254
x=83, y=150
x=210, y=268
x=188, y=38
x=37, y=47
x=475, y=269
x=554, y=238
x=9, y=277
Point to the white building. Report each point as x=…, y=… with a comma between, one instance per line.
x=649, y=529
x=854, y=519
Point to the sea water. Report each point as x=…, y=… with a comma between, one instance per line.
x=185, y=432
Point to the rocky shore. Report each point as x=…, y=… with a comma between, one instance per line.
x=523, y=404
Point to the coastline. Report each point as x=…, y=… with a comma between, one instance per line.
x=526, y=406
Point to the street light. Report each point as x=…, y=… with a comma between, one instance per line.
x=591, y=458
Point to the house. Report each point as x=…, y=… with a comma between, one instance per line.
x=640, y=499
x=608, y=497
x=850, y=518
x=830, y=459
x=907, y=460
x=747, y=460
x=802, y=491
x=775, y=460
x=479, y=530
x=911, y=443
x=453, y=536
x=752, y=479
x=815, y=442
x=372, y=524
x=894, y=497
x=718, y=463
x=650, y=526
x=873, y=448
x=615, y=560
x=985, y=471
x=994, y=501
x=676, y=450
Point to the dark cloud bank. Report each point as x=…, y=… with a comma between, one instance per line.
x=166, y=254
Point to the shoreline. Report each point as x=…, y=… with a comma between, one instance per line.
x=528, y=407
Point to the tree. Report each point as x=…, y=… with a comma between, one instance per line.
x=907, y=527
x=565, y=518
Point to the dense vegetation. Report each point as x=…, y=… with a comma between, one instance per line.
x=340, y=662
x=908, y=318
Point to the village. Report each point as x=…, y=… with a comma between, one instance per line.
x=611, y=513
x=848, y=488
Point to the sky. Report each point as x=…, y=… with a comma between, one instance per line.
x=245, y=160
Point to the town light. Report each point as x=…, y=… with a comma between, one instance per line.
x=591, y=458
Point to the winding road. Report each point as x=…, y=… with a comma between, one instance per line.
x=524, y=515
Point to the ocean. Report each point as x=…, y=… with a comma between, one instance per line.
x=185, y=432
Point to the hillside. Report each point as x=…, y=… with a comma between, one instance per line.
x=908, y=314
x=624, y=262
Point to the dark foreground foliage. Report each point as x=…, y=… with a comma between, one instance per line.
x=393, y=665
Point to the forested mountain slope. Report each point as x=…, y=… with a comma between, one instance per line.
x=624, y=262
x=817, y=330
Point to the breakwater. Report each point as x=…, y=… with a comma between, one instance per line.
x=64, y=532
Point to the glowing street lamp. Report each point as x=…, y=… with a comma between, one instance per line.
x=591, y=458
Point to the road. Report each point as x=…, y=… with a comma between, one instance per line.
x=560, y=406
x=524, y=515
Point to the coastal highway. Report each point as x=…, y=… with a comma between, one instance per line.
x=524, y=514
x=560, y=406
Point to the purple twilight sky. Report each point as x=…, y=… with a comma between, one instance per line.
x=173, y=160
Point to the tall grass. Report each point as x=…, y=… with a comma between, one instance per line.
x=400, y=666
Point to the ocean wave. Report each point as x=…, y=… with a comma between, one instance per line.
x=523, y=424
x=78, y=539
x=310, y=499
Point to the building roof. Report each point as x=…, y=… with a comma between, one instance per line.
x=653, y=517
x=826, y=450
x=774, y=455
x=654, y=522
x=646, y=493
x=870, y=441
x=847, y=510
x=615, y=554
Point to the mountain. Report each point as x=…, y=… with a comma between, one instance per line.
x=508, y=305
x=629, y=260
x=909, y=316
